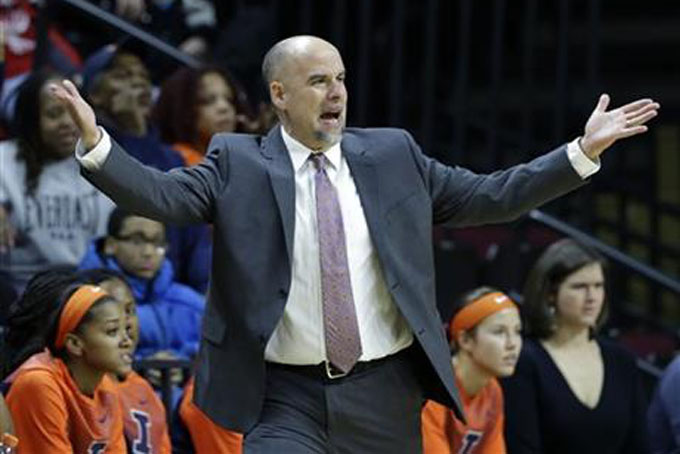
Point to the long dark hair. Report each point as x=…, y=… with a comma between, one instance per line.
x=176, y=110
x=30, y=314
x=555, y=264
x=26, y=119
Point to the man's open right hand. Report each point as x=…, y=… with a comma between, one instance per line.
x=81, y=112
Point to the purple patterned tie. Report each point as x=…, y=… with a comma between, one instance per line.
x=343, y=344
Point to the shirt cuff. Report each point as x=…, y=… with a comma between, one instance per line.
x=94, y=159
x=581, y=163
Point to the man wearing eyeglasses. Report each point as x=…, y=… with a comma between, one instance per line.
x=169, y=312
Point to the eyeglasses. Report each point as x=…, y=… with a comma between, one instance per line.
x=160, y=246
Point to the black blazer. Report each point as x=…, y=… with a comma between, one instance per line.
x=245, y=188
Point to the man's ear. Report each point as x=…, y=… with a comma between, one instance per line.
x=73, y=344
x=277, y=94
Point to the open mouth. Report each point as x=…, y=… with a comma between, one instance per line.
x=332, y=117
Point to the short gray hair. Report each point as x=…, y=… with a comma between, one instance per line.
x=272, y=61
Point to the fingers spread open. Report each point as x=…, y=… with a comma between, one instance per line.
x=640, y=118
x=650, y=107
x=636, y=105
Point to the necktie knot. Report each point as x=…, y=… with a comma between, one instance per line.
x=319, y=160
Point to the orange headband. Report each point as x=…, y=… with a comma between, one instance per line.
x=75, y=308
x=478, y=310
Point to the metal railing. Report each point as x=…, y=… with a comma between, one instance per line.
x=111, y=20
x=613, y=254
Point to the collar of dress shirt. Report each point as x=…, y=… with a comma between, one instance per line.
x=300, y=153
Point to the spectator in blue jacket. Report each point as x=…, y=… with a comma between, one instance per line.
x=117, y=82
x=663, y=415
x=169, y=312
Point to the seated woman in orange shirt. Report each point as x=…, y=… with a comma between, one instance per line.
x=144, y=417
x=486, y=340
x=62, y=400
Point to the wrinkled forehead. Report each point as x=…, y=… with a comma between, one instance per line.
x=318, y=59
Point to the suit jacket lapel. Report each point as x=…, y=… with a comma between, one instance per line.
x=367, y=182
x=282, y=177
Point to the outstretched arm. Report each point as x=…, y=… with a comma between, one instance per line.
x=179, y=196
x=463, y=198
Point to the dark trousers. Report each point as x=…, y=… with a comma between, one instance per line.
x=374, y=411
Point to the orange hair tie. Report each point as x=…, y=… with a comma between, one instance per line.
x=478, y=310
x=75, y=308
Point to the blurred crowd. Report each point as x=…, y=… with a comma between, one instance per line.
x=57, y=231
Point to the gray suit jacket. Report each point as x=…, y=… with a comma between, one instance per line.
x=245, y=188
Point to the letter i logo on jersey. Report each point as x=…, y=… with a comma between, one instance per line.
x=142, y=443
x=470, y=440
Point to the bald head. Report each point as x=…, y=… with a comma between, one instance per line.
x=278, y=59
x=306, y=80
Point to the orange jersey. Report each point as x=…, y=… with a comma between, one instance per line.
x=52, y=416
x=206, y=436
x=146, y=429
x=483, y=434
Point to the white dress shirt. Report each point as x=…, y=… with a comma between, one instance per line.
x=298, y=337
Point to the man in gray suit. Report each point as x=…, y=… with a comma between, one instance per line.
x=321, y=332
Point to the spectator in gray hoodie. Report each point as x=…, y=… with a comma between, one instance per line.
x=48, y=213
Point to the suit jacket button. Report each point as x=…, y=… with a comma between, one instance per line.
x=283, y=292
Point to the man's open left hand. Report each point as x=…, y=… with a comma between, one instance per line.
x=606, y=127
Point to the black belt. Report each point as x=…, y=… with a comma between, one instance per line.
x=327, y=371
